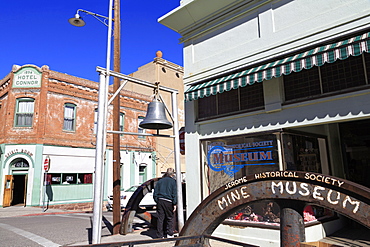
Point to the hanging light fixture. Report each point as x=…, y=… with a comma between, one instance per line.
x=77, y=21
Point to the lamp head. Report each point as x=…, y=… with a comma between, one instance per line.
x=77, y=21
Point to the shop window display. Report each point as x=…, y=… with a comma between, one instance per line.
x=231, y=158
x=258, y=212
x=268, y=213
x=301, y=153
x=68, y=178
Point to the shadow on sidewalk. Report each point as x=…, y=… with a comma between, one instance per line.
x=150, y=232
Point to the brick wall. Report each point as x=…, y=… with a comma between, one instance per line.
x=58, y=89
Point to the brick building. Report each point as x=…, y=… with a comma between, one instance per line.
x=50, y=117
x=169, y=75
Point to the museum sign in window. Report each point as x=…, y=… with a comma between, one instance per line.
x=231, y=158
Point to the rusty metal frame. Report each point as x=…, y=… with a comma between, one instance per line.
x=224, y=201
x=201, y=240
x=132, y=206
x=212, y=211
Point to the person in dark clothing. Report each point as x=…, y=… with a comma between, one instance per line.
x=165, y=195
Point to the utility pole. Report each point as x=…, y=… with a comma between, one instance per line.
x=116, y=120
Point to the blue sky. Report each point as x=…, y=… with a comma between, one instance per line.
x=37, y=32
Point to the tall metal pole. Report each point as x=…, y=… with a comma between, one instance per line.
x=101, y=134
x=116, y=120
x=180, y=206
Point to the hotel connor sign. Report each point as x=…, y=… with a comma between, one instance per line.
x=26, y=78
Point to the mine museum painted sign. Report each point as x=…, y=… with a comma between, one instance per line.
x=26, y=78
x=342, y=196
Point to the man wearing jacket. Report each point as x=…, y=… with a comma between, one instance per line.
x=165, y=195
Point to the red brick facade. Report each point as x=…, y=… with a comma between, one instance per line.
x=56, y=90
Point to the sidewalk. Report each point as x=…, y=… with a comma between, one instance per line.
x=146, y=234
x=137, y=235
x=143, y=234
x=16, y=211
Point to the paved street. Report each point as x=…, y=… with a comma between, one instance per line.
x=32, y=227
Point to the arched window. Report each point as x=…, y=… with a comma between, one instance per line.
x=19, y=163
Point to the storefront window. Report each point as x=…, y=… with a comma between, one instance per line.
x=268, y=213
x=301, y=153
x=234, y=157
x=68, y=178
x=230, y=158
x=313, y=213
x=258, y=212
x=356, y=147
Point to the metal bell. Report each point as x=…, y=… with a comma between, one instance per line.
x=155, y=117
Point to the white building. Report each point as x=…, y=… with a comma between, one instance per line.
x=293, y=75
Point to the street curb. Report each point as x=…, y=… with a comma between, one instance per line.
x=53, y=213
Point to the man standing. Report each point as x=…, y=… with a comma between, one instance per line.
x=165, y=195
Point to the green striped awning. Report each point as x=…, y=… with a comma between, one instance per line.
x=306, y=60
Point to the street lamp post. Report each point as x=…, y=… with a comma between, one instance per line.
x=101, y=138
x=101, y=132
x=102, y=125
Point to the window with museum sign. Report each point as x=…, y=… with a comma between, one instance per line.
x=24, y=112
x=231, y=158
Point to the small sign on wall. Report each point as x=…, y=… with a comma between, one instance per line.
x=47, y=163
x=182, y=140
x=26, y=78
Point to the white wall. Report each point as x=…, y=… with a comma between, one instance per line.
x=345, y=107
x=65, y=159
x=264, y=29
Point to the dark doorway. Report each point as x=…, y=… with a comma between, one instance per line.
x=19, y=189
x=356, y=145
